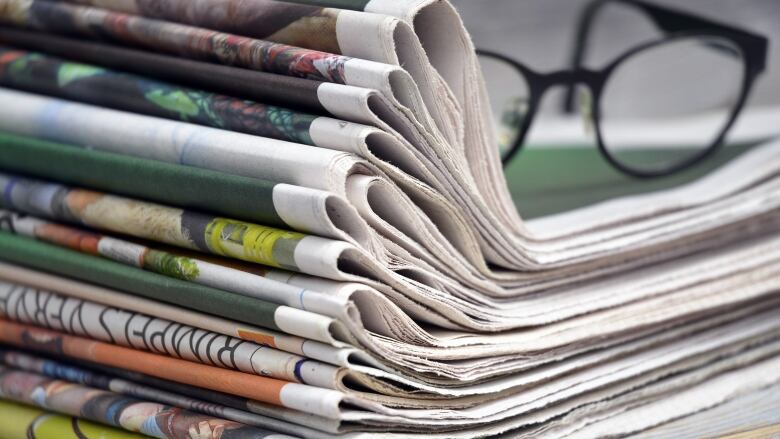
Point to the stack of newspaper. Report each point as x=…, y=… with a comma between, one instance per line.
x=257, y=218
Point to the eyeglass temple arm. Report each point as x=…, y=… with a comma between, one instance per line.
x=584, y=25
x=665, y=19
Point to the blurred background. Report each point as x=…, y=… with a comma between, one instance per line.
x=540, y=33
x=560, y=168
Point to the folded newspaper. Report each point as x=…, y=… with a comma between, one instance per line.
x=261, y=218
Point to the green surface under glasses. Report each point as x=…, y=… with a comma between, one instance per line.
x=553, y=179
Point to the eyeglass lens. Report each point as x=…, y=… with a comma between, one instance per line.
x=509, y=99
x=668, y=103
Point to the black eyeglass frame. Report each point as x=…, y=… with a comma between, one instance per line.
x=676, y=25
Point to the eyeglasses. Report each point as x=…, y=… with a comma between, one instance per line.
x=634, y=103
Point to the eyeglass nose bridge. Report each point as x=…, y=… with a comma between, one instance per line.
x=591, y=79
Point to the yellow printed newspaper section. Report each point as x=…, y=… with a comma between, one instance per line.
x=254, y=243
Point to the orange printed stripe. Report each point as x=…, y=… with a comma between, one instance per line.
x=200, y=375
x=10, y=56
x=69, y=237
x=257, y=337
